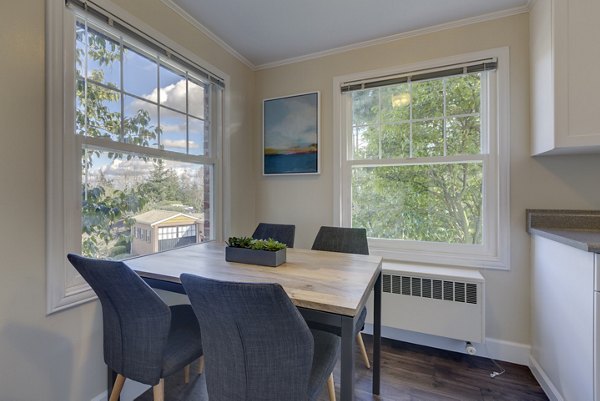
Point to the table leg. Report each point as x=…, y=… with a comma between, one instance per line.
x=377, y=337
x=347, y=360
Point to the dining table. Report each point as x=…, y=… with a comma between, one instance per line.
x=328, y=288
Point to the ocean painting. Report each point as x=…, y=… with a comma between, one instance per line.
x=291, y=135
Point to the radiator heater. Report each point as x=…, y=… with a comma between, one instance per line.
x=440, y=301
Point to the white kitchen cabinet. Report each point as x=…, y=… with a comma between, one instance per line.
x=565, y=83
x=564, y=328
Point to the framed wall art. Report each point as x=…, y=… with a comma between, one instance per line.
x=291, y=134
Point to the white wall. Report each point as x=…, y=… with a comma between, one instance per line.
x=59, y=357
x=565, y=182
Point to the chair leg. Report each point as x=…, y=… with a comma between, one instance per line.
x=363, y=350
x=201, y=365
x=331, y=388
x=186, y=374
x=159, y=391
x=117, y=387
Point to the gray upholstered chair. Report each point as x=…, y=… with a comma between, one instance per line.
x=279, y=232
x=144, y=339
x=345, y=240
x=257, y=345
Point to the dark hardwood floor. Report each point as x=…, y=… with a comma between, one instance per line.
x=410, y=373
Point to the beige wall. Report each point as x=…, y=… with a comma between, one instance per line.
x=59, y=357
x=566, y=182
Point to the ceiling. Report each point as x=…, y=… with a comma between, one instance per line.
x=268, y=32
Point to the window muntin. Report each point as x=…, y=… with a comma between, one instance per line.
x=145, y=137
x=425, y=172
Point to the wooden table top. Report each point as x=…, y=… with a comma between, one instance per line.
x=326, y=281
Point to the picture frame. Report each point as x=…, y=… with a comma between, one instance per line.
x=291, y=135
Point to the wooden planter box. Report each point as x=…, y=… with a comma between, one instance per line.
x=254, y=257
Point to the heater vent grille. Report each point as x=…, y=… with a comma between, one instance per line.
x=454, y=291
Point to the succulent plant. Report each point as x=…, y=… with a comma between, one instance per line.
x=256, y=244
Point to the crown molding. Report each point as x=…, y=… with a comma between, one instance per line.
x=194, y=22
x=398, y=36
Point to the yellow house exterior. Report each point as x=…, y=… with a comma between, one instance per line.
x=161, y=230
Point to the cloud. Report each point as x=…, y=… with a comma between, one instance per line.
x=173, y=96
x=179, y=143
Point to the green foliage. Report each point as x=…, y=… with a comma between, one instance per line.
x=256, y=244
x=104, y=217
x=423, y=201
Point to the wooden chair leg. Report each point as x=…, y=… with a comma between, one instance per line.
x=331, y=387
x=363, y=350
x=201, y=365
x=186, y=374
x=159, y=391
x=117, y=387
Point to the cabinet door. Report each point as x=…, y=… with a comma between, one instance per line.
x=596, y=345
x=562, y=327
x=584, y=61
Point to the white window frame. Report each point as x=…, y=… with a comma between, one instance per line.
x=65, y=287
x=495, y=251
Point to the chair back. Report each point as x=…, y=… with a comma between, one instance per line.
x=136, y=321
x=279, y=232
x=342, y=239
x=256, y=344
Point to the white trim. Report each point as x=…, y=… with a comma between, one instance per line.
x=496, y=253
x=403, y=35
x=544, y=380
x=65, y=288
x=101, y=397
x=196, y=24
x=492, y=348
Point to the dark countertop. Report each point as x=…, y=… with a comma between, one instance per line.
x=577, y=228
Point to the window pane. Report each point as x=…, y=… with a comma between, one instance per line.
x=365, y=143
x=198, y=141
x=173, y=135
x=123, y=195
x=395, y=141
x=463, y=135
x=428, y=99
x=101, y=108
x=140, y=75
x=103, y=58
x=173, y=92
x=436, y=202
x=140, y=122
x=463, y=94
x=395, y=103
x=80, y=48
x=365, y=107
x=196, y=93
x=428, y=138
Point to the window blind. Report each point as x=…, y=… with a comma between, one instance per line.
x=421, y=75
x=100, y=13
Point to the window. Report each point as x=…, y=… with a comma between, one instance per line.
x=144, y=127
x=133, y=132
x=421, y=158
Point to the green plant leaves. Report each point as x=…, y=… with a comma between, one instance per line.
x=256, y=244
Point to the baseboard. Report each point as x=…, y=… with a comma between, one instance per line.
x=492, y=348
x=131, y=391
x=545, y=382
x=101, y=397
